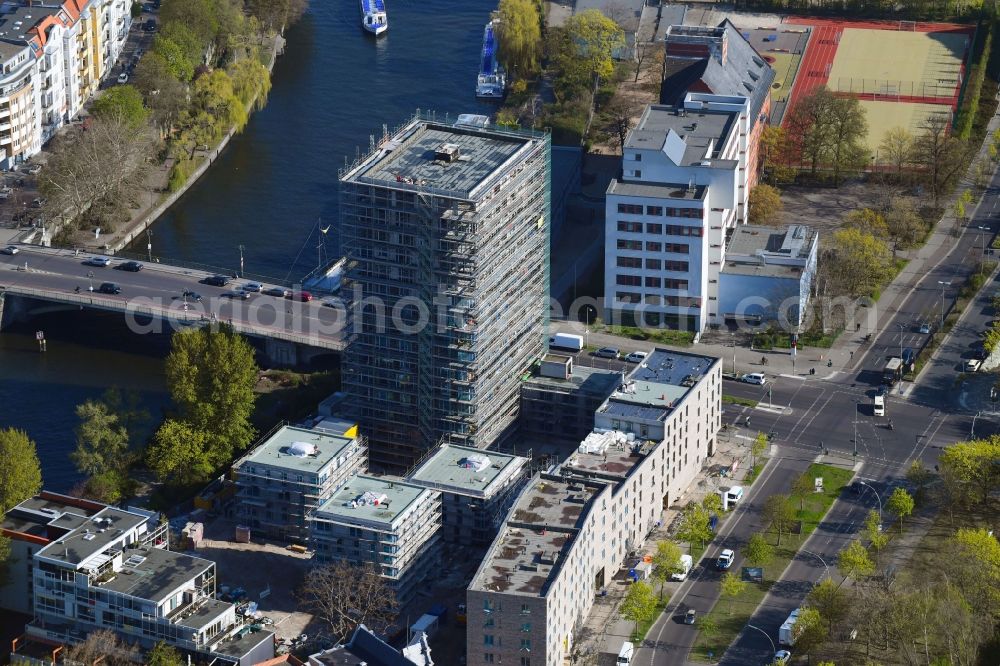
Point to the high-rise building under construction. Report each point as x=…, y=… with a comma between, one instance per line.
x=445, y=227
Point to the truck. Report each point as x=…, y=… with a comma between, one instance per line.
x=893, y=371
x=617, y=652
x=566, y=341
x=686, y=563
x=787, y=630
x=878, y=407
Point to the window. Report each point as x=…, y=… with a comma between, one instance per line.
x=629, y=262
x=489, y=622
x=653, y=282
x=678, y=248
x=630, y=227
x=637, y=157
x=678, y=230
x=525, y=609
x=488, y=639
x=637, y=174
x=628, y=280
x=525, y=661
x=627, y=297
x=654, y=210
x=669, y=283
x=629, y=244
x=525, y=643
x=630, y=209
x=488, y=658
x=525, y=626
x=652, y=246
x=654, y=229
x=653, y=264
x=669, y=265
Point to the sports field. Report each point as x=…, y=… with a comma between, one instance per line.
x=909, y=64
x=784, y=66
x=883, y=116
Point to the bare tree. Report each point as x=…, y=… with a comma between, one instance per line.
x=344, y=595
x=940, y=154
x=619, y=114
x=102, y=647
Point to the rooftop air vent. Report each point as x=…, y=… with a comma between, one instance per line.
x=447, y=152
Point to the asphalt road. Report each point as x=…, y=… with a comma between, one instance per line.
x=55, y=275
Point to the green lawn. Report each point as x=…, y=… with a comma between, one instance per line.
x=754, y=472
x=732, y=615
x=734, y=400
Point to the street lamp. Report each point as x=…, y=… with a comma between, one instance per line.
x=90, y=279
x=773, y=649
x=149, y=244
x=877, y=496
x=902, y=327
x=972, y=433
x=809, y=552
x=944, y=285
x=732, y=337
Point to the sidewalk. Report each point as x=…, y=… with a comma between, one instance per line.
x=603, y=621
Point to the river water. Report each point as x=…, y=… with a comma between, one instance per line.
x=333, y=87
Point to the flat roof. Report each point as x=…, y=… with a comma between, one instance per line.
x=346, y=505
x=595, y=381
x=699, y=129
x=761, y=270
x=93, y=538
x=154, y=573
x=677, y=191
x=608, y=454
x=207, y=611
x=243, y=645
x=657, y=385
x=666, y=366
x=791, y=242
x=409, y=159
x=276, y=450
x=466, y=470
x=538, y=534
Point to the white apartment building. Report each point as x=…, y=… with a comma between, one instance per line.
x=54, y=57
x=91, y=566
x=386, y=522
x=683, y=190
x=569, y=532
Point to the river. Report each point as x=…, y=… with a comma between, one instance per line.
x=334, y=86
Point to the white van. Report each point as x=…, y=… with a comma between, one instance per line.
x=879, y=406
x=686, y=563
x=566, y=341
x=731, y=497
x=625, y=654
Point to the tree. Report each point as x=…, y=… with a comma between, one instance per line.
x=778, y=513
x=764, y=204
x=251, y=82
x=867, y=220
x=200, y=17
x=20, y=473
x=666, y=562
x=873, y=531
x=758, y=552
x=587, y=45
x=897, y=148
x=172, y=54
x=342, y=595
x=276, y=14
x=712, y=502
x=904, y=226
x=707, y=626
x=968, y=470
x=831, y=602
x=808, y=127
x=939, y=154
x=694, y=525
x=809, y=631
x=519, y=33
x=757, y=448
x=801, y=487
x=123, y=102
x=102, y=647
x=165, y=96
x=732, y=586
x=919, y=476
x=101, y=441
x=978, y=552
x=854, y=562
x=639, y=604
x=773, y=155
x=859, y=262
x=164, y=655
x=211, y=374
x=619, y=114
x=900, y=503
x=136, y=9
x=848, y=131
x=6, y=561
x=181, y=454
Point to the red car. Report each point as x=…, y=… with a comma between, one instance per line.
x=303, y=296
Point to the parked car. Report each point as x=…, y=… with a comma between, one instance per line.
x=608, y=352
x=636, y=357
x=123, y=77
x=11, y=249
x=35, y=169
x=109, y=288
x=781, y=657
x=99, y=260
x=191, y=295
x=150, y=25
x=725, y=559
x=238, y=293
x=925, y=328
x=303, y=296
x=280, y=292
x=754, y=378
x=217, y=280
x=131, y=266
x=253, y=287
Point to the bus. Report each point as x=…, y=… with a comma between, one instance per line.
x=893, y=371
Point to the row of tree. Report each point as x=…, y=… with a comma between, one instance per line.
x=194, y=85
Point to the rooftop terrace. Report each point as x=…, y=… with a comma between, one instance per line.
x=466, y=471
x=298, y=450
x=539, y=532
x=372, y=500
x=450, y=157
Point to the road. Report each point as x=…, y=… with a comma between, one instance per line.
x=158, y=290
